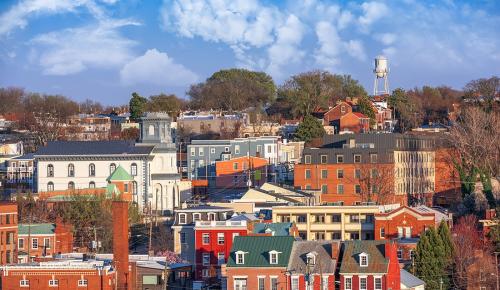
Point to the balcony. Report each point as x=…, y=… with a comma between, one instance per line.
x=209, y=224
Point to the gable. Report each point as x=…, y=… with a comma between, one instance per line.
x=404, y=210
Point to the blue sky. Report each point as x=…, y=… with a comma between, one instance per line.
x=107, y=49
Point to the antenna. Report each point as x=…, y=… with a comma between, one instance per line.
x=381, y=71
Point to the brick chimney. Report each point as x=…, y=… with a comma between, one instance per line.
x=490, y=214
x=335, y=250
x=120, y=244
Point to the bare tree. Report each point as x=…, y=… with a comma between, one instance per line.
x=375, y=182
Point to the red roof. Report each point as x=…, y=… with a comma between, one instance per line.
x=360, y=115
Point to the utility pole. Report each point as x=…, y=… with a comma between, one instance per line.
x=150, y=229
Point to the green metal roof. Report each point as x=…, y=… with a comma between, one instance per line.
x=112, y=189
x=120, y=174
x=257, y=248
x=36, y=229
x=278, y=229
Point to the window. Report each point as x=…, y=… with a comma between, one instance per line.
x=262, y=283
x=324, y=188
x=212, y=150
x=24, y=283
x=373, y=158
x=336, y=218
x=400, y=254
x=407, y=232
x=357, y=158
x=412, y=254
x=53, y=283
x=50, y=173
x=91, y=169
x=374, y=173
x=295, y=283
x=237, y=149
x=340, y=188
x=134, y=187
x=269, y=149
x=377, y=283
x=400, y=232
x=362, y=283
x=196, y=216
x=206, y=259
x=151, y=130
x=211, y=216
x=324, y=281
x=71, y=170
x=205, y=238
x=205, y=273
x=91, y=184
x=348, y=283
x=50, y=186
x=382, y=233
x=193, y=151
x=240, y=284
x=240, y=257
x=34, y=243
x=273, y=257
x=340, y=173
x=112, y=168
x=46, y=243
x=220, y=238
x=357, y=173
x=133, y=169
x=221, y=258
x=274, y=283
x=235, y=165
x=20, y=243
x=363, y=260
x=324, y=173
x=324, y=159
x=182, y=219
x=308, y=173
x=71, y=185
x=201, y=152
x=354, y=218
x=259, y=148
x=182, y=238
x=307, y=159
x=83, y=283
x=340, y=158
x=357, y=188
x=226, y=149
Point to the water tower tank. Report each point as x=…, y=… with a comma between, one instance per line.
x=381, y=68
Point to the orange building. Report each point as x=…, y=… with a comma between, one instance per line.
x=354, y=122
x=8, y=232
x=448, y=185
x=237, y=171
x=335, y=113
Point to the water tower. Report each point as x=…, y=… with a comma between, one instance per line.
x=381, y=71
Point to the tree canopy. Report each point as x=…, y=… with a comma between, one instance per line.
x=309, y=129
x=233, y=89
x=137, y=106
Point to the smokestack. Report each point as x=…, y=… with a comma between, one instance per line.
x=120, y=244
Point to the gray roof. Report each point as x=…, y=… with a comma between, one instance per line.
x=323, y=250
x=278, y=229
x=409, y=280
x=244, y=217
x=60, y=148
x=25, y=156
x=204, y=207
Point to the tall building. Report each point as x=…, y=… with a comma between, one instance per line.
x=151, y=162
x=8, y=232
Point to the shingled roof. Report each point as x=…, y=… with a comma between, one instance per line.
x=257, y=248
x=323, y=250
x=377, y=261
x=59, y=148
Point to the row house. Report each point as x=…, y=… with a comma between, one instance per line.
x=330, y=222
x=73, y=165
x=8, y=232
x=184, y=227
x=344, y=119
x=203, y=155
x=383, y=168
x=212, y=242
x=20, y=173
x=43, y=240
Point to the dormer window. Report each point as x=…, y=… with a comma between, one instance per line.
x=311, y=258
x=196, y=216
x=240, y=257
x=363, y=260
x=269, y=231
x=273, y=257
x=182, y=219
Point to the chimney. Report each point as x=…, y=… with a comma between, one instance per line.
x=335, y=250
x=490, y=214
x=352, y=143
x=120, y=244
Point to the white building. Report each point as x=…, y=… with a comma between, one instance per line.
x=86, y=164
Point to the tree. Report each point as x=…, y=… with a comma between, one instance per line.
x=165, y=103
x=486, y=88
x=407, y=111
x=426, y=263
x=375, y=182
x=366, y=107
x=11, y=100
x=90, y=107
x=351, y=88
x=309, y=129
x=233, y=89
x=130, y=134
x=137, y=106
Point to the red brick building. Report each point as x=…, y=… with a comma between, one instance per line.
x=8, y=232
x=354, y=122
x=120, y=245
x=213, y=242
x=335, y=113
x=237, y=171
x=369, y=265
x=43, y=240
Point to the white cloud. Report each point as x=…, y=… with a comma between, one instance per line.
x=372, y=11
x=386, y=38
x=355, y=49
x=73, y=50
x=156, y=68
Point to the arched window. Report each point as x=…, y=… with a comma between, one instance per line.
x=151, y=130
x=91, y=169
x=112, y=168
x=91, y=184
x=71, y=185
x=71, y=170
x=134, y=187
x=50, y=186
x=50, y=170
x=133, y=169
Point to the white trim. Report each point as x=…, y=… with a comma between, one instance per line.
x=240, y=277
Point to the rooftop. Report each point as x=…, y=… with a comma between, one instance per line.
x=36, y=229
x=377, y=262
x=257, y=248
x=278, y=229
x=74, y=148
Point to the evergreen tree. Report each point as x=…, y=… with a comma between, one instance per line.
x=137, y=106
x=445, y=235
x=309, y=129
x=365, y=107
x=430, y=260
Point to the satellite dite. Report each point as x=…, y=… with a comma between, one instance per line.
x=381, y=71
